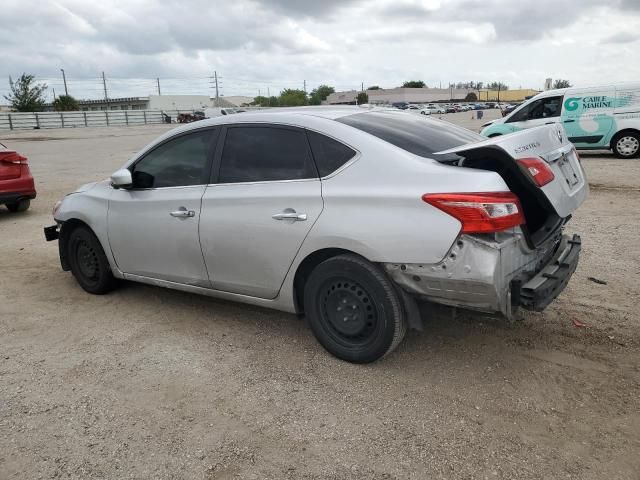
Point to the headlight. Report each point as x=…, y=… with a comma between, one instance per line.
x=56, y=207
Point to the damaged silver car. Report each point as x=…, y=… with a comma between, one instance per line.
x=344, y=215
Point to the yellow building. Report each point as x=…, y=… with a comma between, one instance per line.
x=506, y=95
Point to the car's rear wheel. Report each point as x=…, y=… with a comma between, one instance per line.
x=353, y=309
x=626, y=145
x=19, y=206
x=88, y=262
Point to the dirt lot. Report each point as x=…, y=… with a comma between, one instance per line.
x=151, y=383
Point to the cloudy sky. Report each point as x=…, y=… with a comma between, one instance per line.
x=267, y=45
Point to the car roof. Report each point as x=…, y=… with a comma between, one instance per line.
x=281, y=115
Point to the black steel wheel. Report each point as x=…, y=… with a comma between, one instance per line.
x=353, y=309
x=88, y=262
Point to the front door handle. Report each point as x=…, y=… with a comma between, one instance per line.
x=296, y=217
x=182, y=212
x=569, y=121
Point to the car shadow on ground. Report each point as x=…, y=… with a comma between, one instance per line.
x=456, y=334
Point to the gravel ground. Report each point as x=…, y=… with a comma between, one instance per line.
x=151, y=383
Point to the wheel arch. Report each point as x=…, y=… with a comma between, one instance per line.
x=305, y=268
x=65, y=231
x=620, y=133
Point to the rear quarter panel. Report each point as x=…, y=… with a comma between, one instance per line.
x=374, y=207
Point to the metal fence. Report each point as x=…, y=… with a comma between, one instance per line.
x=102, y=118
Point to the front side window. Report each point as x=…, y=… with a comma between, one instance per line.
x=176, y=163
x=262, y=154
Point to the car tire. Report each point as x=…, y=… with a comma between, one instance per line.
x=19, y=206
x=88, y=262
x=626, y=145
x=353, y=309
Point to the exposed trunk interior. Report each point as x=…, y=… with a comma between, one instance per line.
x=540, y=215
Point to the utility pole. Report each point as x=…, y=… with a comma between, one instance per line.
x=158, y=82
x=54, y=93
x=362, y=87
x=269, y=95
x=64, y=79
x=104, y=84
x=305, y=86
x=215, y=75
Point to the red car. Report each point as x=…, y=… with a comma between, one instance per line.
x=16, y=182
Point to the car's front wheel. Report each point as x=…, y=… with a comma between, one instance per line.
x=20, y=206
x=353, y=309
x=88, y=262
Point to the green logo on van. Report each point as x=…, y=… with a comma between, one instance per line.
x=572, y=104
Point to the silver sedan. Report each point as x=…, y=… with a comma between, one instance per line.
x=349, y=216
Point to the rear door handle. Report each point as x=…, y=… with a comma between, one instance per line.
x=296, y=217
x=569, y=121
x=182, y=212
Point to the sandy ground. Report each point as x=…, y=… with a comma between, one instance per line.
x=151, y=383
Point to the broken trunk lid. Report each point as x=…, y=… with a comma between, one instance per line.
x=567, y=190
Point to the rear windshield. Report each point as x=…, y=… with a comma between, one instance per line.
x=413, y=133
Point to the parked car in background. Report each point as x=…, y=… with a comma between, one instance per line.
x=511, y=107
x=190, y=117
x=343, y=214
x=17, y=187
x=400, y=105
x=437, y=109
x=593, y=117
x=451, y=109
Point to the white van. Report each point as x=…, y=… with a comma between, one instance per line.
x=594, y=117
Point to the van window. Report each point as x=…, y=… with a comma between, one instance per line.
x=543, y=108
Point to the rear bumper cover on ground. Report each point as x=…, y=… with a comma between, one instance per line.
x=493, y=275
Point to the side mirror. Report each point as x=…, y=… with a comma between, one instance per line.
x=121, y=179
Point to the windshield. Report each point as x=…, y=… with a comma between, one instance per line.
x=413, y=133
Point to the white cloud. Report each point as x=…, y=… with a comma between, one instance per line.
x=275, y=44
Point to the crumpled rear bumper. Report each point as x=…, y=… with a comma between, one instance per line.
x=493, y=274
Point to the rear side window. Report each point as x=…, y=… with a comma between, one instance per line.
x=179, y=162
x=414, y=133
x=262, y=154
x=328, y=153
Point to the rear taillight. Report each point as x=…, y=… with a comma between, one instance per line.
x=537, y=169
x=13, y=157
x=480, y=212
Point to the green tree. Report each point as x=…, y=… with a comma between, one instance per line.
x=260, y=101
x=362, y=98
x=414, y=84
x=320, y=93
x=26, y=95
x=374, y=87
x=497, y=86
x=290, y=97
x=471, y=97
x=65, y=103
x=560, y=83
